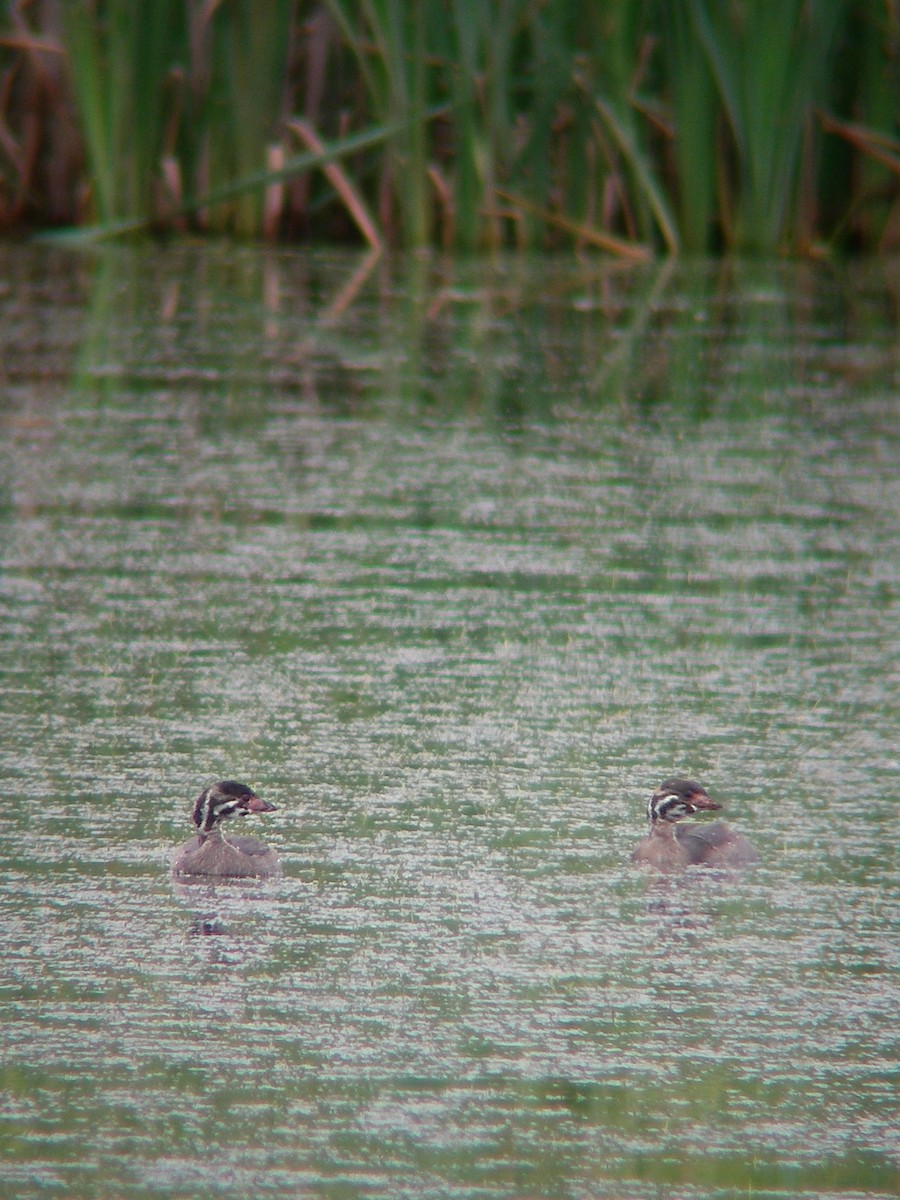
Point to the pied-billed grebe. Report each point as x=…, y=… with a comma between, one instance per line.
x=670, y=846
x=210, y=854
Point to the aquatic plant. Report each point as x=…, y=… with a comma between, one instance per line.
x=633, y=126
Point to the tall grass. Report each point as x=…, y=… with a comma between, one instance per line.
x=770, y=64
x=237, y=91
x=636, y=126
x=387, y=40
x=120, y=56
x=694, y=116
x=866, y=150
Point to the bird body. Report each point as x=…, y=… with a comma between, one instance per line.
x=213, y=855
x=670, y=846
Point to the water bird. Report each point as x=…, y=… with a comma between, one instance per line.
x=670, y=846
x=213, y=855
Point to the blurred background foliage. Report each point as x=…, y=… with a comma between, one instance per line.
x=635, y=126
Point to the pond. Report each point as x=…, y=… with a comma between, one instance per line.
x=453, y=563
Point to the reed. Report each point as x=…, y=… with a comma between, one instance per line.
x=120, y=57
x=866, y=148
x=475, y=49
x=387, y=39
x=770, y=62
x=238, y=83
x=631, y=125
x=694, y=115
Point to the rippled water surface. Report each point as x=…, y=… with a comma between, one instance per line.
x=454, y=564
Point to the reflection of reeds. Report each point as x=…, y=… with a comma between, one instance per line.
x=630, y=125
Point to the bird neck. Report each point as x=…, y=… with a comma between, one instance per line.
x=211, y=835
x=663, y=829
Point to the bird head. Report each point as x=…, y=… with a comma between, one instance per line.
x=223, y=800
x=677, y=798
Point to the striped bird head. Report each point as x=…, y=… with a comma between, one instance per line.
x=677, y=798
x=226, y=799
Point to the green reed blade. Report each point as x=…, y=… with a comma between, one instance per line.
x=254, y=182
x=642, y=171
x=695, y=111
x=768, y=60
x=119, y=66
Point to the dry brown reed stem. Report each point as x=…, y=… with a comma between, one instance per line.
x=341, y=183
x=592, y=237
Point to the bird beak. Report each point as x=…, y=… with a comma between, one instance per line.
x=702, y=802
x=254, y=804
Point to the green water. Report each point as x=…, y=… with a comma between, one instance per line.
x=454, y=564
